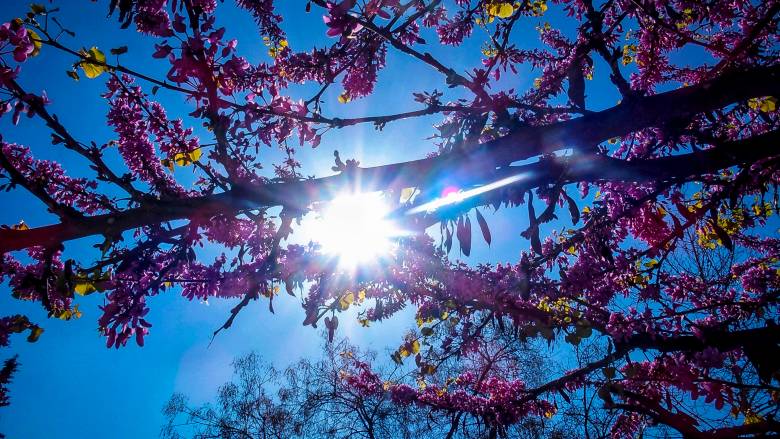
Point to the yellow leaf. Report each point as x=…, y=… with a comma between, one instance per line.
x=539, y=7
x=283, y=43
x=488, y=52
x=415, y=347
x=35, y=333
x=180, y=159
x=407, y=194
x=768, y=105
x=752, y=418
x=84, y=288
x=501, y=10
x=362, y=295
x=344, y=98
x=69, y=314
x=96, y=65
x=186, y=158
x=346, y=300
x=21, y=226
x=37, y=9
x=36, y=40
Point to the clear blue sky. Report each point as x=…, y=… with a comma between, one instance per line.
x=69, y=384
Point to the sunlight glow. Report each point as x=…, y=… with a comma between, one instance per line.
x=355, y=228
x=452, y=195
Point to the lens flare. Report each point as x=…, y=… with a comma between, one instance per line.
x=355, y=228
x=452, y=195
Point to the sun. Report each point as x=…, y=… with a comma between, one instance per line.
x=355, y=228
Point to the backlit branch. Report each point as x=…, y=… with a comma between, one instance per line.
x=477, y=166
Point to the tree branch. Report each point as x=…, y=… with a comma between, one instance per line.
x=477, y=165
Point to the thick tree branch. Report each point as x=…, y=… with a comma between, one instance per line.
x=478, y=165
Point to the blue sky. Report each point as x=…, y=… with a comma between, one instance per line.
x=69, y=384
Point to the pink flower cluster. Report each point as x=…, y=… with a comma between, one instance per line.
x=151, y=17
x=492, y=399
x=128, y=118
x=13, y=33
x=79, y=193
